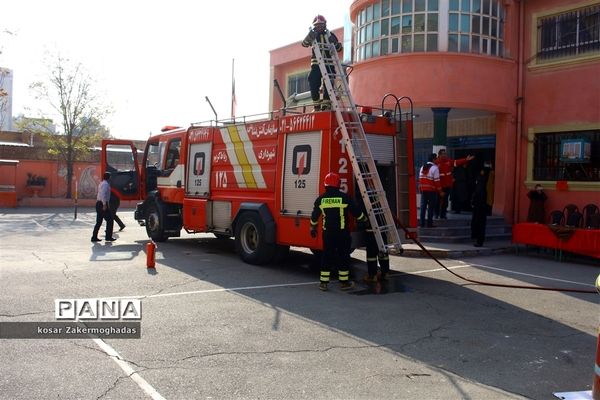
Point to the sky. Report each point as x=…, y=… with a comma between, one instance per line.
x=155, y=62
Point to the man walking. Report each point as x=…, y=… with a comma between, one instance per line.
x=334, y=205
x=103, y=210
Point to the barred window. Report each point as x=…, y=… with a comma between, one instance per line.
x=550, y=162
x=569, y=34
x=297, y=83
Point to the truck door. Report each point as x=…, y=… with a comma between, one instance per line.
x=198, y=182
x=301, y=174
x=119, y=157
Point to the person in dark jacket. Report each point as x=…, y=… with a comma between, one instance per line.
x=334, y=205
x=113, y=205
x=460, y=194
x=373, y=256
x=319, y=33
x=537, y=212
x=480, y=207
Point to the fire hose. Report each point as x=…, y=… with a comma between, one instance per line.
x=483, y=283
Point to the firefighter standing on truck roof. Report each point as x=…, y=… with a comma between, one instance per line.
x=319, y=32
x=334, y=205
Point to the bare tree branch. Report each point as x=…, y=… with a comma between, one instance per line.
x=69, y=92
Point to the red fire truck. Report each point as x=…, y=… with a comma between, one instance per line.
x=256, y=180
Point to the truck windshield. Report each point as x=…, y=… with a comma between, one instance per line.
x=154, y=155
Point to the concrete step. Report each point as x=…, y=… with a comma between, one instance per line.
x=458, y=250
x=462, y=230
x=457, y=229
x=442, y=251
x=466, y=238
x=465, y=220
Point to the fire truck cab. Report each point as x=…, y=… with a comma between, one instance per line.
x=255, y=181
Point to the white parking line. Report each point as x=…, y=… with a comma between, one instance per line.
x=237, y=289
x=530, y=275
x=141, y=382
x=40, y=225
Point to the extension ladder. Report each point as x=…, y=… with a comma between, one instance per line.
x=354, y=138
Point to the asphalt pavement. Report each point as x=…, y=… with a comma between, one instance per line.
x=213, y=327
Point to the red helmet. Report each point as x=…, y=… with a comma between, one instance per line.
x=319, y=23
x=332, y=179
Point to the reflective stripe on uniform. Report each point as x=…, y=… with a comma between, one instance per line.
x=333, y=202
x=343, y=275
x=325, y=276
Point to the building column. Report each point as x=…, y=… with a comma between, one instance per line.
x=440, y=128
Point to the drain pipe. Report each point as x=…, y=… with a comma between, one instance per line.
x=519, y=101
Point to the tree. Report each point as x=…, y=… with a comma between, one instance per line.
x=4, y=97
x=4, y=94
x=69, y=93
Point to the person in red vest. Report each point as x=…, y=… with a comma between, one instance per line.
x=446, y=165
x=431, y=190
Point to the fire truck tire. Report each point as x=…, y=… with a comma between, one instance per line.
x=250, y=240
x=154, y=224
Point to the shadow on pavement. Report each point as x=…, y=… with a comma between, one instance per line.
x=450, y=327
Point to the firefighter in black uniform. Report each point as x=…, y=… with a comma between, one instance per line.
x=374, y=255
x=334, y=205
x=319, y=32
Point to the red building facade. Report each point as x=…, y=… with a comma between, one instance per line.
x=517, y=83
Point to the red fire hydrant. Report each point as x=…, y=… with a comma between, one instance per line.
x=150, y=254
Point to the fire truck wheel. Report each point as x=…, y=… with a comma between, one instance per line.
x=250, y=239
x=154, y=227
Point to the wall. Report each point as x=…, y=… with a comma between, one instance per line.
x=563, y=95
x=86, y=177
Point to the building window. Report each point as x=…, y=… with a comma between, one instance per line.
x=297, y=83
x=397, y=26
x=569, y=34
x=572, y=156
x=476, y=26
x=408, y=26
